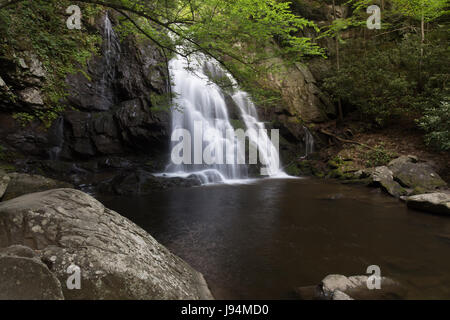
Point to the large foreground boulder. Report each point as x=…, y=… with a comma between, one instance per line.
x=24, y=276
x=438, y=203
x=117, y=259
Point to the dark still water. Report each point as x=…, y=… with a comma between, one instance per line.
x=261, y=240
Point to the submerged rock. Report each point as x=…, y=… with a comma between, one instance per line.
x=117, y=259
x=23, y=276
x=438, y=203
x=141, y=182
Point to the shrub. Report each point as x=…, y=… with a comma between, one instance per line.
x=436, y=122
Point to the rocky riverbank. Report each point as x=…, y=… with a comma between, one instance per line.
x=406, y=178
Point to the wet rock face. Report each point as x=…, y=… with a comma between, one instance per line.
x=116, y=107
x=302, y=99
x=21, y=77
x=117, y=259
x=119, y=105
x=23, y=276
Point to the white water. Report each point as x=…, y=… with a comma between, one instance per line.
x=58, y=139
x=198, y=100
x=111, y=54
x=309, y=142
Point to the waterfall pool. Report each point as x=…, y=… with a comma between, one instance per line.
x=262, y=239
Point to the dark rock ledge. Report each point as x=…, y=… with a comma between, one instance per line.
x=118, y=259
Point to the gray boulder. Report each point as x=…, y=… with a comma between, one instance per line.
x=438, y=203
x=384, y=178
x=24, y=277
x=412, y=174
x=117, y=259
x=21, y=183
x=339, y=287
x=4, y=181
x=339, y=295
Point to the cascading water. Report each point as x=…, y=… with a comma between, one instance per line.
x=111, y=54
x=57, y=135
x=309, y=142
x=200, y=107
x=258, y=135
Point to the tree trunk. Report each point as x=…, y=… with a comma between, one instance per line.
x=338, y=65
x=422, y=42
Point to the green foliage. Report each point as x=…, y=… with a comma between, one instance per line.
x=380, y=156
x=293, y=170
x=160, y=102
x=387, y=78
x=436, y=122
x=428, y=9
x=39, y=27
x=24, y=118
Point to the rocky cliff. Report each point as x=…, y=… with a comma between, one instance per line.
x=114, y=113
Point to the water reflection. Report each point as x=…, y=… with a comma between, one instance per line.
x=261, y=240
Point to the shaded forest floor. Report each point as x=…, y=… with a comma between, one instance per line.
x=376, y=147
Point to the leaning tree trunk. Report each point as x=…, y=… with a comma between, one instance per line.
x=338, y=65
x=422, y=42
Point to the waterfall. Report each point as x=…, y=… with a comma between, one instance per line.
x=309, y=142
x=267, y=150
x=57, y=134
x=111, y=54
x=200, y=107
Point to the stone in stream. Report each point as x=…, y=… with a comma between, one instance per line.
x=438, y=203
x=117, y=259
x=23, y=276
x=339, y=295
x=339, y=287
x=141, y=182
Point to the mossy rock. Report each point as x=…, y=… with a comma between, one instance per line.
x=293, y=170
